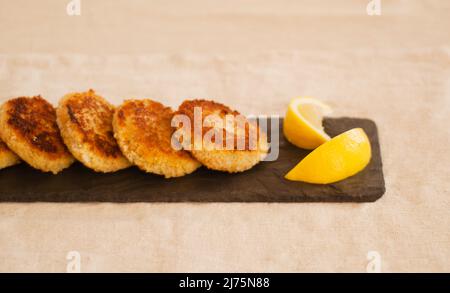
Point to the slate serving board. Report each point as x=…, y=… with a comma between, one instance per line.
x=263, y=183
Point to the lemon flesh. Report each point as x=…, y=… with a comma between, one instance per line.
x=303, y=123
x=341, y=157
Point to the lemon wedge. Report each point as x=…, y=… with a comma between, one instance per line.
x=303, y=123
x=341, y=157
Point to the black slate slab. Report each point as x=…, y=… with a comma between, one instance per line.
x=263, y=183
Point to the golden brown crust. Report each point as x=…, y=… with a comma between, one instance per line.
x=28, y=126
x=34, y=120
x=241, y=156
x=143, y=130
x=214, y=108
x=152, y=117
x=85, y=120
x=7, y=157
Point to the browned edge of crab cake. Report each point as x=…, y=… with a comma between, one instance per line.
x=85, y=121
x=228, y=160
x=28, y=127
x=143, y=130
x=7, y=157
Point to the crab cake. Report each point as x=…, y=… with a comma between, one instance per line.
x=85, y=121
x=7, y=157
x=235, y=146
x=143, y=130
x=28, y=127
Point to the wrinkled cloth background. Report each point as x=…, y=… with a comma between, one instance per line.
x=254, y=56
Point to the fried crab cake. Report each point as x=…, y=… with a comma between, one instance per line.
x=223, y=144
x=7, y=157
x=28, y=127
x=144, y=133
x=85, y=121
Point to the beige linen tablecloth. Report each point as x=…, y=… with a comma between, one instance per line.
x=400, y=78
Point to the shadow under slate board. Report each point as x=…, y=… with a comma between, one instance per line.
x=263, y=183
